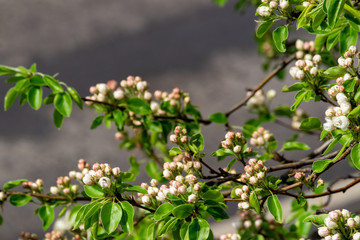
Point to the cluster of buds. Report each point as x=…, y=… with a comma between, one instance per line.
x=261, y=137
x=336, y=116
x=100, y=174
x=54, y=235
x=248, y=220
x=28, y=236
x=257, y=103
x=340, y=225
x=267, y=7
x=234, y=141
x=298, y=117
x=181, y=163
x=175, y=99
x=255, y=174
x=180, y=136
x=307, y=63
x=185, y=187
x=230, y=236
x=64, y=185
x=347, y=61
x=35, y=187
x=110, y=92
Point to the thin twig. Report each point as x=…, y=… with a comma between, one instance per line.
x=265, y=81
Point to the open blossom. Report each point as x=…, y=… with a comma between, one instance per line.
x=341, y=122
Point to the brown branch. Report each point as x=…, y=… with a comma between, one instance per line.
x=265, y=81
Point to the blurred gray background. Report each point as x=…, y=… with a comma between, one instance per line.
x=205, y=50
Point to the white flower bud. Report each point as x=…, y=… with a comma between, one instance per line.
x=173, y=138
x=154, y=182
x=317, y=59
x=3, y=195
x=192, y=198
x=87, y=179
x=146, y=199
x=100, y=97
x=271, y=94
x=336, y=236
x=247, y=224
x=258, y=223
x=174, y=191
x=348, y=62
x=54, y=190
x=341, y=62
x=305, y=4
x=167, y=174
x=334, y=216
x=147, y=96
x=253, y=180
x=299, y=44
x=116, y=172
x=347, y=76
x=330, y=224
x=345, y=108
x=299, y=54
x=314, y=71
x=345, y=213
x=144, y=186
x=245, y=205
x=341, y=98
x=300, y=75
x=273, y=4
x=356, y=236
x=102, y=88
x=238, y=192
x=119, y=94
x=284, y=4
x=351, y=223
x=264, y=11
x=352, y=50
x=105, y=182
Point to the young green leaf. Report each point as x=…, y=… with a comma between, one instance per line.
x=58, y=118
x=292, y=146
x=317, y=220
x=274, y=206
x=217, y=213
x=13, y=184
x=219, y=118
x=310, y=123
x=213, y=195
x=75, y=96
x=53, y=84
x=263, y=28
x=127, y=220
x=63, y=103
x=334, y=72
x=254, y=201
x=204, y=230
x=355, y=156
x=110, y=215
x=280, y=35
x=19, y=200
x=334, y=9
x=34, y=97
x=94, y=191
x=10, y=98
x=47, y=215
x=119, y=118
x=183, y=211
x=97, y=122
x=320, y=165
x=163, y=211
x=151, y=231
x=139, y=106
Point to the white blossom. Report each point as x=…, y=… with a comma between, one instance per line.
x=341, y=122
x=264, y=11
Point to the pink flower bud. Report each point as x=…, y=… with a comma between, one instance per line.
x=244, y=196
x=197, y=165
x=245, y=188
x=323, y=231
x=197, y=187
x=172, y=166
x=261, y=175
x=253, y=180
x=253, y=142
x=173, y=138
x=192, y=198
x=184, y=139
x=154, y=182
x=237, y=149
x=260, y=141
x=119, y=94
x=191, y=179
x=174, y=191
x=300, y=75
x=334, y=216
x=300, y=64
x=79, y=176
x=182, y=189
x=66, y=191
x=93, y=90
x=116, y=172
x=230, y=135
x=330, y=224
x=167, y=174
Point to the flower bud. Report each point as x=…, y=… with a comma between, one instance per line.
x=253, y=180
x=273, y=5
x=334, y=216
x=197, y=165
x=336, y=236
x=144, y=186
x=182, y=189
x=345, y=213
x=258, y=223
x=2, y=196
x=105, y=182
x=300, y=75
x=54, y=190
x=167, y=174
x=238, y=192
x=192, y=198
x=323, y=231
x=351, y=223
x=299, y=44
x=197, y=187
x=284, y=4
x=330, y=224
x=66, y=191
x=119, y=94
x=173, y=138
x=88, y=180
x=356, y=236
x=146, y=199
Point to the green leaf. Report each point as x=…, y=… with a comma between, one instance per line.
x=333, y=143
x=254, y=201
x=198, y=141
x=317, y=220
x=348, y=37
x=58, y=119
x=13, y=184
x=47, y=215
x=5, y=70
x=37, y=81
x=310, y=123
x=320, y=40
x=63, y=103
x=75, y=96
x=295, y=87
x=10, y=97
x=163, y=211
x=34, y=97
x=153, y=171
x=134, y=165
x=139, y=106
x=334, y=9
x=19, y=200
x=119, y=118
x=221, y=3
x=219, y=118
x=213, y=195
x=280, y=35
x=1, y=220
x=86, y=212
x=334, y=72
x=217, y=213
x=332, y=39
x=355, y=156
x=274, y=206
x=97, y=122
x=127, y=220
x=321, y=165
x=169, y=225
x=263, y=28
x=111, y=214
x=204, y=230
x=151, y=231
x=183, y=211
x=94, y=191
x=292, y=146
x=53, y=84
x=283, y=110
x=174, y=151
x=349, y=85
